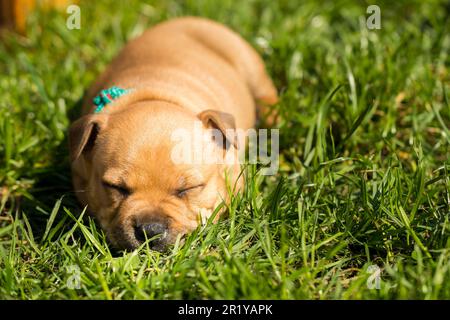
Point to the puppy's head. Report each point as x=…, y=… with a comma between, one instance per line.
x=126, y=168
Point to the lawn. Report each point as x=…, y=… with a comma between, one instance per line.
x=363, y=187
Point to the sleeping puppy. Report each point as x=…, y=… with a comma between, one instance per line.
x=184, y=75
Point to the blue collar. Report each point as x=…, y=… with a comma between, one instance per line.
x=107, y=96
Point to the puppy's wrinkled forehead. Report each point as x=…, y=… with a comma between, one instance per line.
x=143, y=124
x=140, y=141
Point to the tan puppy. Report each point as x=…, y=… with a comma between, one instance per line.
x=178, y=73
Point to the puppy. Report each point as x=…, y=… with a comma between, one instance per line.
x=184, y=74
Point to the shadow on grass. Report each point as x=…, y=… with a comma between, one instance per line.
x=52, y=183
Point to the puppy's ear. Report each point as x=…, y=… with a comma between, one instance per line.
x=83, y=134
x=222, y=121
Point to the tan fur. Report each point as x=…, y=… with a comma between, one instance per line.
x=181, y=71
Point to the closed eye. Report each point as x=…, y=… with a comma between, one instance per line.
x=180, y=193
x=122, y=189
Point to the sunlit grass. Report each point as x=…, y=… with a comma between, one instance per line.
x=364, y=165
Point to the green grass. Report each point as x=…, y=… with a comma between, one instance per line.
x=364, y=174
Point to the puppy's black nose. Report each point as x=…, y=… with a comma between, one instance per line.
x=151, y=230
